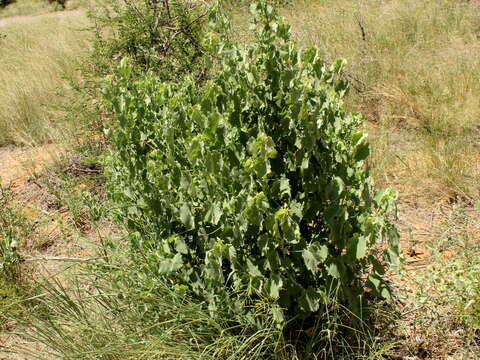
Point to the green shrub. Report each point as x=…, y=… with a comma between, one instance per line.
x=159, y=36
x=256, y=183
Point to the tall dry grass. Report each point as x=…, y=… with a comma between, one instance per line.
x=416, y=65
x=38, y=7
x=39, y=58
x=26, y=7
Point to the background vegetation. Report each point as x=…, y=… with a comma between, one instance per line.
x=40, y=58
x=412, y=66
x=39, y=7
x=415, y=64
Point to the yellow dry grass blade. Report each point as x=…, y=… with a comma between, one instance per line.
x=39, y=57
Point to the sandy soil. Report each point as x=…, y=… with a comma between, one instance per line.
x=18, y=164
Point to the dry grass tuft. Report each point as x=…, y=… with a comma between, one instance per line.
x=38, y=7
x=27, y=7
x=417, y=63
x=39, y=57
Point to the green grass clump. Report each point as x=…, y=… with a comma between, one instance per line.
x=76, y=180
x=454, y=268
x=108, y=310
x=14, y=227
x=11, y=297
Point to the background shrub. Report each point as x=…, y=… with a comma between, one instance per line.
x=4, y=3
x=159, y=36
x=256, y=183
x=59, y=3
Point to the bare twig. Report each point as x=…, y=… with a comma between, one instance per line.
x=36, y=183
x=85, y=170
x=356, y=83
x=413, y=310
x=183, y=30
x=167, y=8
x=403, y=162
x=360, y=23
x=134, y=7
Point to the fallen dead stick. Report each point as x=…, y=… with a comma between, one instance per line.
x=58, y=258
x=85, y=170
x=414, y=310
x=414, y=267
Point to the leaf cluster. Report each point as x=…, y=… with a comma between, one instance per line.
x=256, y=183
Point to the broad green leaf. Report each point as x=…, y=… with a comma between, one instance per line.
x=169, y=265
x=334, y=270
x=378, y=286
x=314, y=255
x=180, y=245
x=253, y=269
x=285, y=187
x=274, y=285
x=338, y=65
x=310, y=300
x=377, y=266
x=277, y=313
x=362, y=151
x=213, y=268
x=186, y=217
x=213, y=214
x=361, y=248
